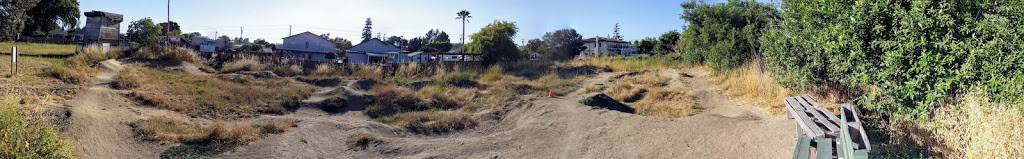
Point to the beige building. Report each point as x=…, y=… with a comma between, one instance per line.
x=601, y=46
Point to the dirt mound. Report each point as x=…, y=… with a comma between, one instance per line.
x=363, y=84
x=601, y=100
x=260, y=74
x=321, y=81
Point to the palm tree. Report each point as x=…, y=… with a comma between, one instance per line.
x=463, y=15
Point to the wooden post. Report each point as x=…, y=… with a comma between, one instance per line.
x=14, y=60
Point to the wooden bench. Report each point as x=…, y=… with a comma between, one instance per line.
x=833, y=137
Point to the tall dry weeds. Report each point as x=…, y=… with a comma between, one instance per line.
x=751, y=85
x=978, y=128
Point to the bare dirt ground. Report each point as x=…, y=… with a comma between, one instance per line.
x=99, y=117
x=552, y=128
x=539, y=127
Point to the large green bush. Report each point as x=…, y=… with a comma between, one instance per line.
x=723, y=35
x=906, y=56
x=24, y=138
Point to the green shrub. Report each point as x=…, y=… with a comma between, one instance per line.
x=21, y=137
x=723, y=35
x=905, y=56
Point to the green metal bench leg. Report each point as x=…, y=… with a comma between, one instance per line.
x=803, y=148
x=824, y=149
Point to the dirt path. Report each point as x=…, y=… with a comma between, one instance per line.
x=554, y=128
x=99, y=120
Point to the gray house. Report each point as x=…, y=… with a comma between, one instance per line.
x=102, y=27
x=310, y=47
x=375, y=51
x=207, y=45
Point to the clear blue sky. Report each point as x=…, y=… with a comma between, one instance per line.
x=266, y=19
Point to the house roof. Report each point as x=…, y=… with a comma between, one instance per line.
x=305, y=33
x=375, y=46
x=603, y=39
x=116, y=18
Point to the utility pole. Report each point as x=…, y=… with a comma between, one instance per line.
x=241, y=32
x=167, y=31
x=289, y=30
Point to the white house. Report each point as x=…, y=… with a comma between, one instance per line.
x=207, y=45
x=600, y=46
x=375, y=51
x=310, y=47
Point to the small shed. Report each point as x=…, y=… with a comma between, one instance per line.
x=102, y=27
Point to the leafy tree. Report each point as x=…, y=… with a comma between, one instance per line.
x=170, y=29
x=189, y=36
x=494, y=42
x=415, y=44
x=12, y=17
x=225, y=38
x=143, y=31
x=342, y=43
x=368, y=30
x=262, y=43
x=646, y=45
x=437, y=42
x=397, y=41
x=537, y=46
x=723, y=35
x=239, y=41
x=563, y=44
x=51, y=14
x=667, y=42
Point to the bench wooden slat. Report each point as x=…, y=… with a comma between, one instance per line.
x=824, y=149
x=803, y=147
x=813, y=101
x=804, y=121
x=832, y=127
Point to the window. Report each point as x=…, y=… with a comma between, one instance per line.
x=307, y=44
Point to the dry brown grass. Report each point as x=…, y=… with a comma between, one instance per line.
x=326, y=70
x=978, y=128
x=431, y=122
x=626, y=92
x=173, y=130
x=243, y=64
x=370, y=72
x=667, y=103
x=277, y=126
x=627, y=63
x=170, y=54
x=210, y=96
x=649, y=79
x=165, y=129
x=391, y=100
x=286, y=70
x=73, y=74
x=492, y=74
x=361, y=141
x=234, y=132
x=749, y=84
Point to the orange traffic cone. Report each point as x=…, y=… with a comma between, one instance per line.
x=550, y=93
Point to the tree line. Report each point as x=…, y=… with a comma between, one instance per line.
x=900, y=58
x=36, y=17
